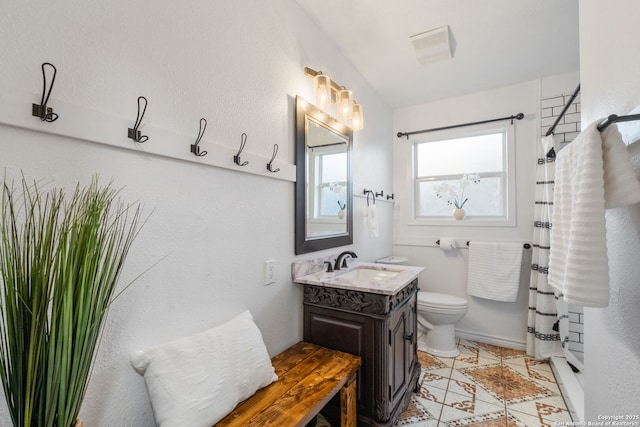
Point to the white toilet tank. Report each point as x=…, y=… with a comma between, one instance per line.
x=393, y=260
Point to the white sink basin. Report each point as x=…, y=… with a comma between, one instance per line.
x=369, y=274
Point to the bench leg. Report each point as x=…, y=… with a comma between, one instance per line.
x=348, y=398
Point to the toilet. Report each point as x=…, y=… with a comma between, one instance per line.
x=437, y=313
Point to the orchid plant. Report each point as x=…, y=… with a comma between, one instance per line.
x=454, y=194
x=340, y=189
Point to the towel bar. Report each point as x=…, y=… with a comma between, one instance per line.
x=525, y=246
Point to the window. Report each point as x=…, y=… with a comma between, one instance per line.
x=330, y=176
x=332, y=183
x=447, y=159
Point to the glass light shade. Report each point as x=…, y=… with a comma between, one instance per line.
x=345, y=104
x=322, y=90
x=357, y=119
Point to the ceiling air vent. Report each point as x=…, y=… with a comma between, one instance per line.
x=432, y=46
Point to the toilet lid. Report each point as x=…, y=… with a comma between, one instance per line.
x=434, y=299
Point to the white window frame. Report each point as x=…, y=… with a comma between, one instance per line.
x=509, y=218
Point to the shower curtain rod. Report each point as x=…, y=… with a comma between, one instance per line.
x=564, y=110
x=518, y=116
x=615, y=118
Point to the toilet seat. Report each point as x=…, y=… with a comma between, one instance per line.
x=440, y=301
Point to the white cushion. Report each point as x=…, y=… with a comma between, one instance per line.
x=197, y=380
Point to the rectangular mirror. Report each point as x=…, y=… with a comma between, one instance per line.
x=324, y=190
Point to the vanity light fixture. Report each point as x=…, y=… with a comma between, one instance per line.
x=345, y=104
x=322, y=90
x=327, y=92
x=357, y=121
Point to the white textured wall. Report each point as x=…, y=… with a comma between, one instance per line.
x=239, y=64
x=491, y=321
x=609, y=68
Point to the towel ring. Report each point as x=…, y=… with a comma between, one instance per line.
x=369, y=192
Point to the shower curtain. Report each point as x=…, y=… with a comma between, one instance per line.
x=542, y=340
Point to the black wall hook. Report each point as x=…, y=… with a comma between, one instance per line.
x=45, y=113
x=270, y=164
x=380, y=194
x=391, y=196
x=236, y=158
x=195, y=148
x=134, y=133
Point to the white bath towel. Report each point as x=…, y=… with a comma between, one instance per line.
x=371, y=219
x=494, y=270
x=592, y=173
x=621, y=186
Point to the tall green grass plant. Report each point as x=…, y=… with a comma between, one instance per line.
x=60, y=260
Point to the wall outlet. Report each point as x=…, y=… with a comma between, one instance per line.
x=269, y=271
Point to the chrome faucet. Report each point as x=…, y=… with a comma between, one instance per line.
x=341, y=261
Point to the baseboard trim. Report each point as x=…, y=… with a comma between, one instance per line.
x=491, y=339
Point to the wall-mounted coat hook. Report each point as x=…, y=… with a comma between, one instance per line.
x=270, y=164
x=134, y=133
x=380, y=194
x=195, y=148
x=236, y=158
x=45, y=113
x=391, y=196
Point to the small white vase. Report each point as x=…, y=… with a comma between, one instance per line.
x=458, y=214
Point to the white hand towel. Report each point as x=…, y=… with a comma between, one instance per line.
x=494, y=270
x=371, y=219
x=621, y=186
x=592, y=173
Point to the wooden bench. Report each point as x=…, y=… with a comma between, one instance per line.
x=308, y=377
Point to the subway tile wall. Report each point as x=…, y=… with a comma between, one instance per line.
x=576, y=331
x=569, y=126
x=567, y=129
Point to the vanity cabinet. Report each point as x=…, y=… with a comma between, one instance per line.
x=382, y=330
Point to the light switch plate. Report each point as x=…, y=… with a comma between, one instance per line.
x=269, y=272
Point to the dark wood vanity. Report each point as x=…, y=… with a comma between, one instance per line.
x=382, y=330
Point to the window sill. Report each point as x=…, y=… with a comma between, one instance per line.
x=467, y=222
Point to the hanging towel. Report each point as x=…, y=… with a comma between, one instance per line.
x=371, y=219
x=592, y=173
x=621, y=186
x=494, y=270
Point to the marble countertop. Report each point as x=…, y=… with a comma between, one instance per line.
x=389, y=286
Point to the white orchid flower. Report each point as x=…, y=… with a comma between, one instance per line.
x=455, y=195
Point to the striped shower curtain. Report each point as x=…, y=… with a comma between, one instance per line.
x=542, y=340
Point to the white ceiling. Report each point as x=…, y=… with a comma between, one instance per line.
x=495, y=43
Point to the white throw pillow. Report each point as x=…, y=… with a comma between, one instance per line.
x=197, y=380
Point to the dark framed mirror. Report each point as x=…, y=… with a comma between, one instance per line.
x=324, y=186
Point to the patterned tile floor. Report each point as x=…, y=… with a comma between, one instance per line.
x=485, y=386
